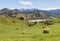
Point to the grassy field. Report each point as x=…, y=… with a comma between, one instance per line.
x=8, y=31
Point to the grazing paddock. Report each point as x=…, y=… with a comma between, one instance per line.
x=8, y=31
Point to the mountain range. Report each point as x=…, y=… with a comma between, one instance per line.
x=6, y=11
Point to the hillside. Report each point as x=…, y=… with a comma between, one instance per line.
x=9, y=12
x=8, y=31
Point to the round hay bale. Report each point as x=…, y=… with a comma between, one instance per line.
x=45, y=30
x=17, y=28
x=24, y=32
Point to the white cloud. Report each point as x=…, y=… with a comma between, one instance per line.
x=48, y=8
x=51, y=8
x=25, y=2
x=12, y=8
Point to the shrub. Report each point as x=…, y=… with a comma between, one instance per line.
x=14, y=22
x=58, y=21
x=21, y=18
x=42, y=22
x=48, y=22
x=31, y=24
x=35, y=23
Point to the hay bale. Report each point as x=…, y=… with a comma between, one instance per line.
x=24, y=32
x=17, y=28
x=46, y=30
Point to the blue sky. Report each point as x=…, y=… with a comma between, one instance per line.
x=39, y=4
